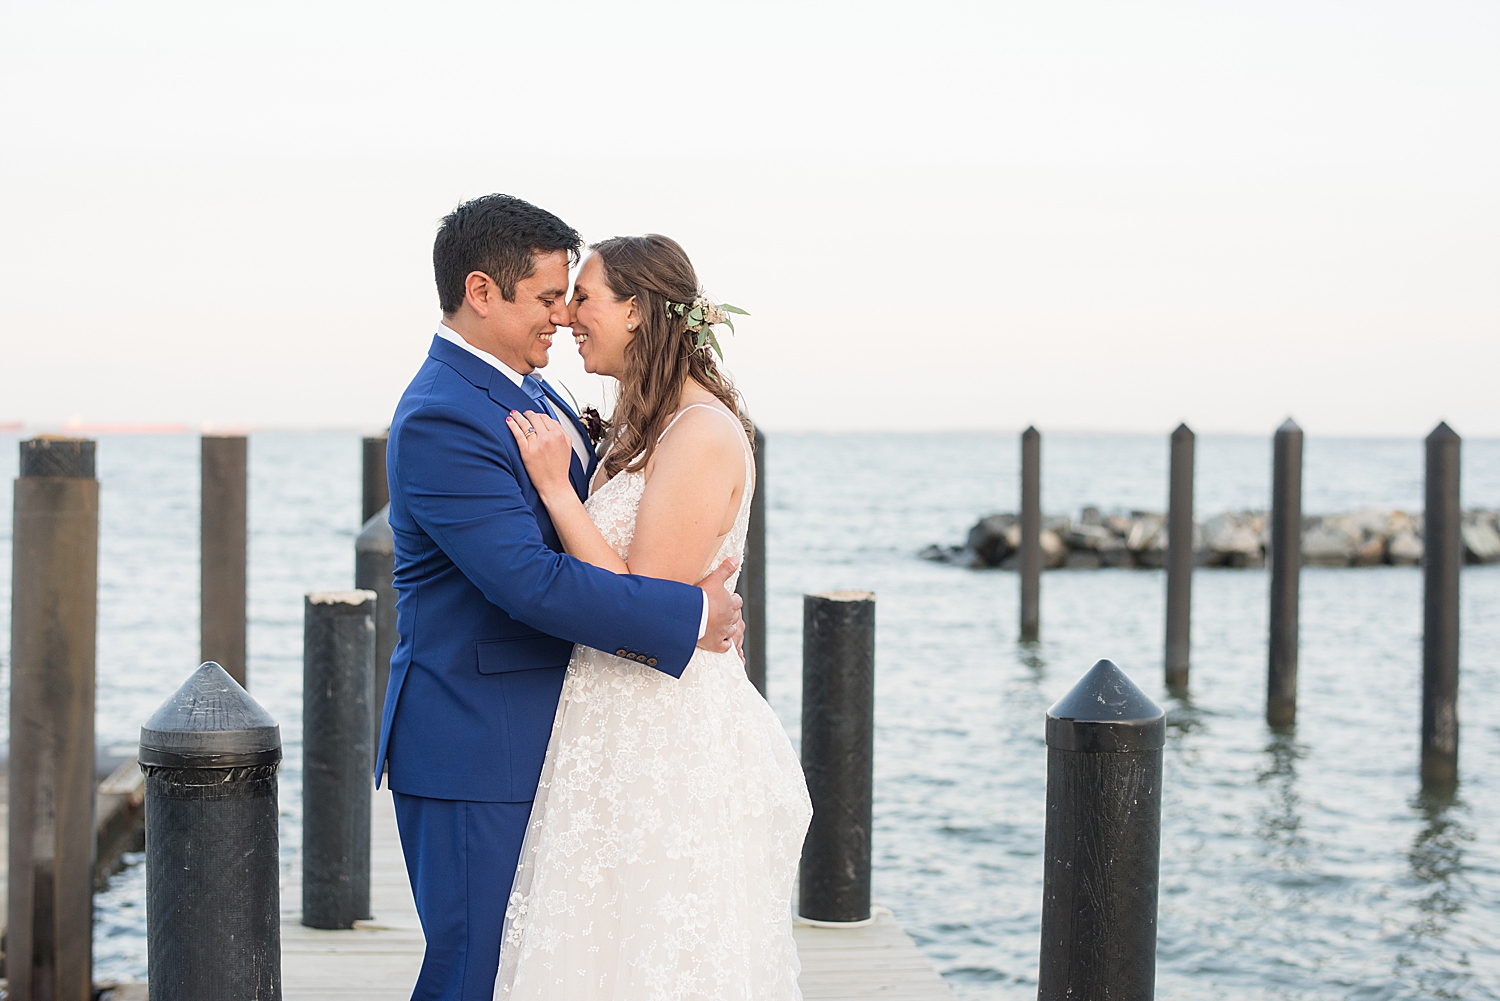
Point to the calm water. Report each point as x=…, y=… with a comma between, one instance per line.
x=1301, y=866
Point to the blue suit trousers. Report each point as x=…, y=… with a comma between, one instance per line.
x=461, y=857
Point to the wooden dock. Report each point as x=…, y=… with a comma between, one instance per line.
x=379, y=959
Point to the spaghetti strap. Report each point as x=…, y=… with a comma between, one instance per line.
x=696, y=406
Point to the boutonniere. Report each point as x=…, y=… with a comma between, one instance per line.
x=594, y=423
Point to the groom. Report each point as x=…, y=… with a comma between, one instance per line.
x=487, y=606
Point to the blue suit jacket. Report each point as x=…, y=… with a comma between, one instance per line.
x=487, y=606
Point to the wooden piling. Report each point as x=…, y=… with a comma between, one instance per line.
x=338, y=691
x=838, y=753
x=223, y=553
x=1102, y=854
x=54, y=602
x=375, y=570
x=1442, y=555
x=1180, y=558
x=376, y=492
x=1030, y=563
x=1286, y=570
x=752, y=584
x=210, y=755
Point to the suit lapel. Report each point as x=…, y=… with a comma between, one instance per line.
x=512, y=397
x=508, y=394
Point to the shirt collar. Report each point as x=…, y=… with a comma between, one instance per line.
x=452, y=336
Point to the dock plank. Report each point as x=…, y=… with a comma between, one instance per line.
x=379, y=958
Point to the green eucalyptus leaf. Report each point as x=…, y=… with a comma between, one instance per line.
x=732, y=309
x=729, y=323
x=696, y=314
x=717, y=350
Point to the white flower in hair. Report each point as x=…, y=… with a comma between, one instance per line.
x=703, y=314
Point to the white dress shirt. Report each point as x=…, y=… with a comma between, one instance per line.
x=452, y=336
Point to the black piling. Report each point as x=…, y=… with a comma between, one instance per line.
x=374, y=570
x=838, y=753
x=54, y=611
x=213, y=897
x=752, y=584
x=222, y=560
x=338, y=693
x=1103, y=841
x=1180, y=558
x=1442, y=555
x=1030, y=563
x=1286, y=569
x=376, y=491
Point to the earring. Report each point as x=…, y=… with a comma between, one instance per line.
x=629, y=326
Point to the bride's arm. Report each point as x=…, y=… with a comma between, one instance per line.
x=689, y=503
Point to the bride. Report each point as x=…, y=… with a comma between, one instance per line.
x=665, y=836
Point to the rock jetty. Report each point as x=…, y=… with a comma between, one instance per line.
x=1232, y=539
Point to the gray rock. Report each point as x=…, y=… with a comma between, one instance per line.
x=1054, y=551
x=1328, y=543
x=1114, y=553
x=1086, y=536
x=1147, y=531
x=1370, y=521
x=1083, y=559
x=958, y=556
x=1481, y=539
x=1404, y=549
x=1370, y=552
x=988, y=539
x=1232, y=540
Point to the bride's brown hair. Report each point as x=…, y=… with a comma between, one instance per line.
x=661, y=357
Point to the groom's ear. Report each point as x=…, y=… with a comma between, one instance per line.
x=480, y=292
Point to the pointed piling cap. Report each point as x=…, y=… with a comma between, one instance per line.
x=1106, y=712
x=210, y=722
x=1031, y=432
x=1183, y=431
x=1443, y=433
x=376, y=536
x=1289, y=426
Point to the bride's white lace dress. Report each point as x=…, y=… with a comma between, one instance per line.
x=667, y=828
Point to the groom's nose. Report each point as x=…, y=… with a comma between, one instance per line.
x=558, y=314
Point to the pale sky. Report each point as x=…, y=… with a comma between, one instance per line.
x=1108, y=216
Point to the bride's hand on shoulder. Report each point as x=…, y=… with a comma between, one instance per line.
x=545, y=449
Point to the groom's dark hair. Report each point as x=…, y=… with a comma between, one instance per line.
x=501, y=236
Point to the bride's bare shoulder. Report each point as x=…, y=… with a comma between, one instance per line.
x=707, y=432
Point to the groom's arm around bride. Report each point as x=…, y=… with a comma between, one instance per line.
x=488, y=607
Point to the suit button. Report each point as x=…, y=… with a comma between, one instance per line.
x=620, y=652
x=650, y=661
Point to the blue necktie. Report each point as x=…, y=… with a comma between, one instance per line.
x=533, y=389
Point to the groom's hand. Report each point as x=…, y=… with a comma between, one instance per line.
x=725, y=626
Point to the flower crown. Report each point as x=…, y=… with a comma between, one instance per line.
x=702, y=315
